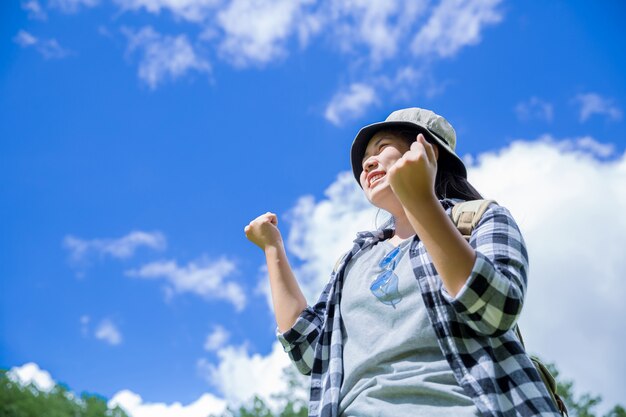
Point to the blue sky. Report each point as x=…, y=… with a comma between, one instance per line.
x=139, y=137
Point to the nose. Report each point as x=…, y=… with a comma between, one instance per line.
x=369, y=164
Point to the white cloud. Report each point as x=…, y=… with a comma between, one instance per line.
x=191, y=10
x=204, y=278
x=534, y=108
x=205, y=406
x=25, y=39
x=453, y=25
x=256, y=31
x=72, y=6
x=121, y=248
x=48, y=48
x=322, y=231
x=239, y=376
x=350, y=104
x=568, y=203
x=30, y=373
x=586, y=143
x=216, y=339
x=84, y=324
x=248, y=33
x=567, y=198
x=380, y=26
x=592, y=103
x=108, y=332
x=34, y=9
x=51, y=49
x=134, y=406
x=164, y=56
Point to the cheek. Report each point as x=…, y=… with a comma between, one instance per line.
x=392, y=154
x=362, y=180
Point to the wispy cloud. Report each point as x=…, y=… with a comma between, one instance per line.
x=164, y=56
x=256, y=31
x=216, y=339
x=34, y=9
x=350, y=104
x=121, y=248
x=25, y=39
x=204, y=278
x=386, y=28
x=84, y=324
x=380, y=27
x=593, y=103
x=453, y=25
x=108, y=332
x=534, y=108
x=196, y=11
x=48, y=48
x=73, y=6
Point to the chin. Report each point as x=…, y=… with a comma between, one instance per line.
x=378, y=195
x=383, y=197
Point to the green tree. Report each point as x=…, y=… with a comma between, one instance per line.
x=294, y=400
x=17, y=400
x=582, y=405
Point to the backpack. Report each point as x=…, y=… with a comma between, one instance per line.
x=466, y=216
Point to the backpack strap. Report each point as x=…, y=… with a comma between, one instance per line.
x=467, y=214
x=337, y=263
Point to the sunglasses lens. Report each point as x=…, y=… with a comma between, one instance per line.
x=389, y=258
x=381, y=282
x=385, y=288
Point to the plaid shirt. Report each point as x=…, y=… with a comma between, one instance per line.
x=474, y=329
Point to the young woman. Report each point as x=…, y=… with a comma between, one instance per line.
x=415, y=321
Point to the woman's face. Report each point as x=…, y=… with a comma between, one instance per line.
x=383, y=150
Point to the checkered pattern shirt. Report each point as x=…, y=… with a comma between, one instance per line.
x=475, y=329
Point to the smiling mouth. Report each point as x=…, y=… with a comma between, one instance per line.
x=376, y=179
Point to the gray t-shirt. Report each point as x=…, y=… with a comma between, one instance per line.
x=393, y=366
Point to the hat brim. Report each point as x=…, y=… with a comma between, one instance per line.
x=447, y=158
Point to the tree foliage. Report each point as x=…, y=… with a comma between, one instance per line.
x=17, y=400
x=582, y=405
x=293, y=401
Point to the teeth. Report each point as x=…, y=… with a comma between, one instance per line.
x=376, y=177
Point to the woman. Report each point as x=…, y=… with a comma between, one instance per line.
x=415, y=320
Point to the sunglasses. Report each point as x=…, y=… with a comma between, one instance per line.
x=385, y=286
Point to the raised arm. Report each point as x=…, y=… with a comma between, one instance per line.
x=484, y=280
x=287, y=297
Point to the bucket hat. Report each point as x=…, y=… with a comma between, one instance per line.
x=435, y=128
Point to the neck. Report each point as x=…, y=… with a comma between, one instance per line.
x=404, y=230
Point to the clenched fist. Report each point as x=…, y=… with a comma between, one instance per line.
x=263, y=231
x=412, y=177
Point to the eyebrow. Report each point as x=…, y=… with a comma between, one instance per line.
x=365, y=155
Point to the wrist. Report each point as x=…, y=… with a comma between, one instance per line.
x=421, y=203
x=273, y=247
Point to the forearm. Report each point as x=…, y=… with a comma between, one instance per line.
x=287, y=297
x=451, y=255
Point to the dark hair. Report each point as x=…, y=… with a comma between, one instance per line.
x=448, y=182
